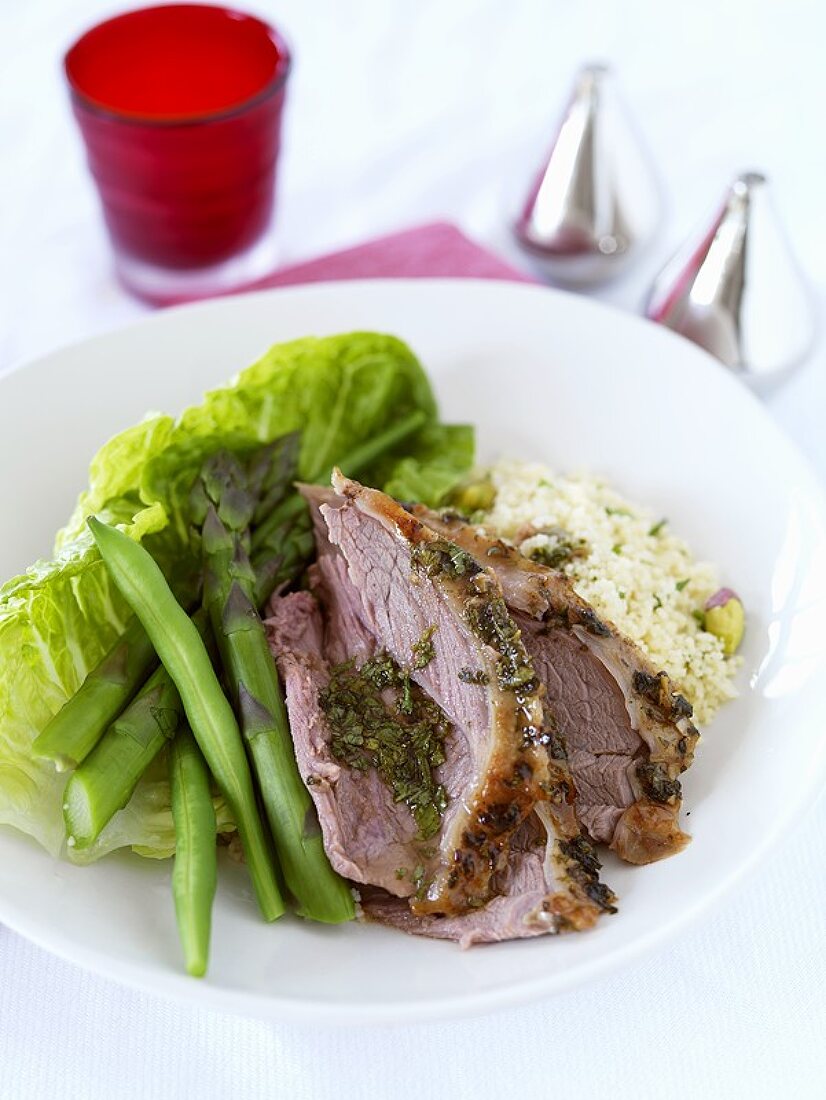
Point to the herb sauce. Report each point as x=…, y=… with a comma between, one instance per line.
x=380, y=719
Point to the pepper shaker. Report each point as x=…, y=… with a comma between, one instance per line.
x=596, y=201
x=735, y=288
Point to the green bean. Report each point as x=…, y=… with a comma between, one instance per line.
x=210, y=716
x=195, y=873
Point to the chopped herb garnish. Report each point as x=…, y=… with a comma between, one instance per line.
x=558, y=554
x=621, y=594
x=418, y=879
x=405, y=703
x=441, y=556
x=485, y=612
x=561, y=548
x=381, y=671
x=656, y=782
x=655, y=530
x=423, y=651
x=680, y=585
x=699, y=617
x=617, y=548
x=489, y=619
x=401, y=872
x=401, y=737
x=617, y=511
x=657, y=603
x=473, y=676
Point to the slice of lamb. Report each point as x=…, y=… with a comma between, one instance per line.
x=525, y=894
x=627, y=733
x=543, y=890
x=367, y=836
x=409, y=581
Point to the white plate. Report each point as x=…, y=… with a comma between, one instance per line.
x=543, y=375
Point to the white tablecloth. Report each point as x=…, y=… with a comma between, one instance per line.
x=400, y=113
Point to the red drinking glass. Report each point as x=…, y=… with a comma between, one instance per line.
x=180, y=110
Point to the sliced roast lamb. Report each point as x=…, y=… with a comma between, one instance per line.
x=627, y=734
x=390, y=583
x=367, y=836
x=413, y=584
x=370, y=838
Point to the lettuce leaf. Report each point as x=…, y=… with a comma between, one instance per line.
x=60, y=617
x=427, y=472
x=338, y=391
x=57, y=621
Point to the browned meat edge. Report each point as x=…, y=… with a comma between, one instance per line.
x=648, y=829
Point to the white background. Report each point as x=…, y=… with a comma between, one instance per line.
x=401, y=113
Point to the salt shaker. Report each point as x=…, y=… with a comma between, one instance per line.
x=595, y=202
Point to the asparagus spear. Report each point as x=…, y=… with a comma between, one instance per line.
x=276, y=559
x=107, y=778
x=184, y=655
x=76, y=728
x=287, y=551
x=80, y=724
x=271, y=472
x=104, y=782
x=229, y=585
x=194, y=876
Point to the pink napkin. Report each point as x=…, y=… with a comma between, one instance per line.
x=435, y=249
